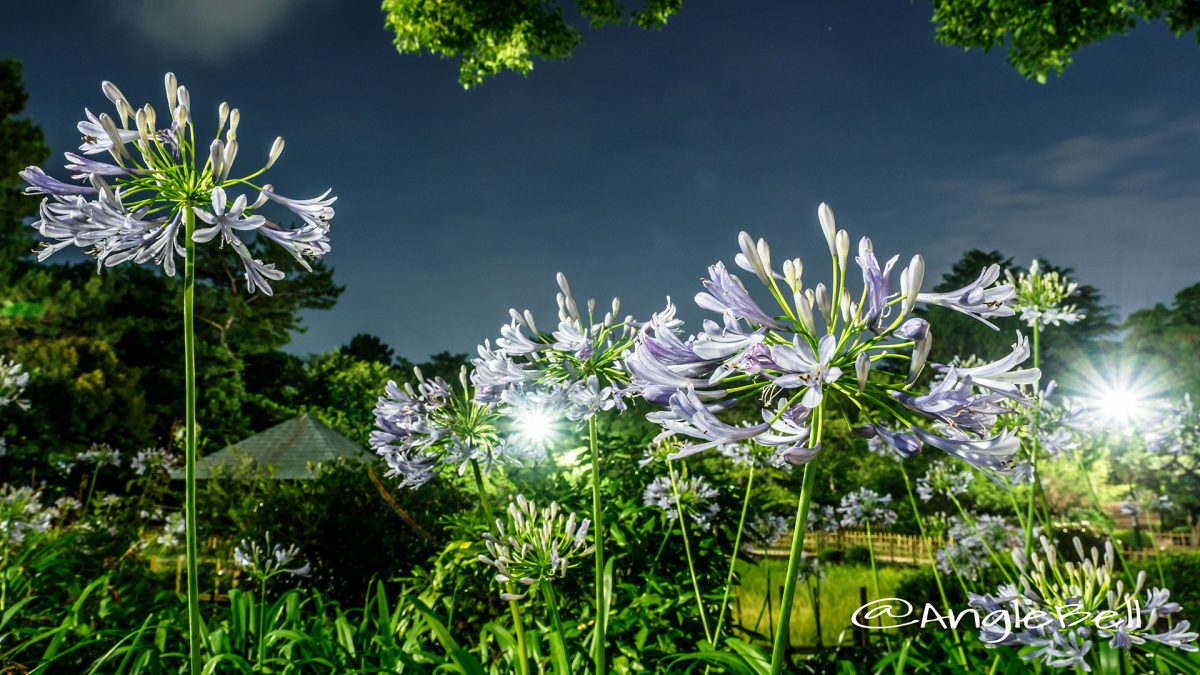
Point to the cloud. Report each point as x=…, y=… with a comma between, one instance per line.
x=211, y=31
x=1123, y=209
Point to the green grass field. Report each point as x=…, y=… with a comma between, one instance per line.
x=839, y=598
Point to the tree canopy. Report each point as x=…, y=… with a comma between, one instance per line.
x=1042, y=37
x=490, y=37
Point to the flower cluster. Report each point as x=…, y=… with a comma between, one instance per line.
x=420, y=429
x=531, y=545
x=1049, y=586
x=866, y=508
x=821, y=347
x=692, y=495
x=98, y=455
x=13, y=380
x=152, y=461
x=135, y=208
x=943, y=479
x=269, y=560
x=766, y=529
x=574, y=371
x=22, y=511
x=1176, y=430
x=1041, y=297
x=970, y=545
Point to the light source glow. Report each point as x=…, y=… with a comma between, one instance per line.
x=535, y=424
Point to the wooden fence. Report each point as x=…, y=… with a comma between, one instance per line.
x=898, y=548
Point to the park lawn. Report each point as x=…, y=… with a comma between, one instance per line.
x=839, y=598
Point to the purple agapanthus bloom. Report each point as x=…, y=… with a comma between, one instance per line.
x=727, y=294
x=800, y=367
x=979, y=299
x=1002, y=376
x=136, y=209
x=875, y=281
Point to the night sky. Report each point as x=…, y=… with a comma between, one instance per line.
x=633, y=165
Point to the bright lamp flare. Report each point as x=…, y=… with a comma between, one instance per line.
x=1125, y=402
x=535, y=424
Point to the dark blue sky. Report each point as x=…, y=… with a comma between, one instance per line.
x=633, y=165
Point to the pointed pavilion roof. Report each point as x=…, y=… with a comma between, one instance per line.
x=288, y=449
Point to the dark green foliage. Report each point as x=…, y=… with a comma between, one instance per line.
x=490, y=37
x=1042, y=37
x=366, y=347
x=1167, y=339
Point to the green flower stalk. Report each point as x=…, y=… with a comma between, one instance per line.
x=138, y=208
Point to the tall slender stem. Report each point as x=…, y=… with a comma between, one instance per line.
x=687, y=550
x=559, y=636
x=1035, y=480
x=262, y=621
x=737, y=547
x=598, y=528
x=783, y=629
x=871, y=555
x=189, y=443
x=518, y=624
x=937, y=575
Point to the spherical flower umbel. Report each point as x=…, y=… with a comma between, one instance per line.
x=420, y=429
x=1040, y=297
x=530, y=545
x=819, y=347
x=269, y=560
x=1059, y=592
x=574, y=370
x=13, y=380
x=137, y=208
x=692, y=495
x=943, y=479
x=866, y=508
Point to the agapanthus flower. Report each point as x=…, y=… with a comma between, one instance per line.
x=1175, y=430
x=943, y=479
x=794, y=367
x=1040, y=297
x=153, y=460
x=269, y=560
x=577, y=365
x=137, y=208
x=420, y=429
x=531, y=546
x=865, y=507
x=22, y=512
x=100, y=454
x=970, y=545
x=692, y=495
x=172, y=532
x=1058, y=592
x=766, y=529
x=13, y=380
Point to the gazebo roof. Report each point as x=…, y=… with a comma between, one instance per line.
x=285, y=451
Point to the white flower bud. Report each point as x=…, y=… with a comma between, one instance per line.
x=591, y=305
x=824, y=302
x=529, y=320
x=910, y=282
x=235, y=118
x=844, y=306
x=562, y=283
x=862, y=368
x=262, y=197
x=216, y=156
x=919, y=354
x=222, y=116
x=231, y=151
x=172, y=87
x=276, y=150
x=828, y=224
x=110, y=128
x=804, y=309
x=843, y=248
x=151, y=118
x=185, y=99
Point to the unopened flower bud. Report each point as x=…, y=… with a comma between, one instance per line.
x=828, y=225
x=172, y=87
x=216, y=156
x=804, y=310
x=843, y=248
x=862, y=368
x=276, y=150
x=824, y=302
x=222, y=116
x=231, y=151
x=235, y=118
